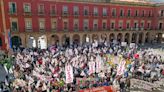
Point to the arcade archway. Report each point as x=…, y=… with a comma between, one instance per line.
x=54, y=40
x=140, y=38
x=147, y=38
x=42, y=42
x=31, y=42
x=127, y=38
x=111, y=37
x=0, y=42
x=66, y=40
x=76, y=39
x=159, y=37
x=103, y=37
x=134, y=37
x=119, y=37
x=95, y=37
x=16, y=41
x=86, y=38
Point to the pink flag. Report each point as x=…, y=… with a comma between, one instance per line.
x=121, y=67
x=69, y=74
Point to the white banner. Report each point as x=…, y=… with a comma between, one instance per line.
x=123, y=43
x=142, y=84
x=99, y=64
x=121, y=67
x=69, y=73
x=132, y=45
x=91, y=67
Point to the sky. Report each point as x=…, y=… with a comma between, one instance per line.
x=157, y=1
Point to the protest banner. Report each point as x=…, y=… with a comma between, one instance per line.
x=91, y=67
x=124, y=44
x=136, y=83
x=80, y=81
x=121, y=67
x=132, y=45
x=99, y=89
x=69, y=73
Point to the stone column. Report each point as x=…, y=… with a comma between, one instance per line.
x=143, y=38
x=71, y=39
x=23, y=40
x=130, y=38
x=137, y=38
x=81, y=39
x=123, y=37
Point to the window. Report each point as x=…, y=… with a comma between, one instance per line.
x=95, y=24
x=104, y=11
x=53, y=10
x=65, y=10
x=95, y=11
x=76, y=25
x=142, y=24
x=112, y=25
x=53, y=24
x=121, y=13
x=160, y=25
x=86, y=11
x=76, y=10
x=27, y=8
x=104, y=25
x=113, y=12
x=120, y=24
x=41, y=24
x=14, y=26
x=65, y=25
x=41, y=8
x=162, y=12
x=85, y=23
x=150, y=13
x=0, y=41
x=28, y=24
x=129, y=13
x=136, y=13
x=12, y=7
x=148, y=25
x=143, y=13
x=135, y=25
x=127, y=25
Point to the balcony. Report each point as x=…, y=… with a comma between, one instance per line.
x=28, y=29
x=76, y=14
x=41, y=13
x=65, y=14
x=14, y=29
x=12, y=13
x=27, y=13
x=52, y=14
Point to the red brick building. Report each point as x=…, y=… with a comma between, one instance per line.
x=33, y=22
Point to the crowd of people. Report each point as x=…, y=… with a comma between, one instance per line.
x=93, y=65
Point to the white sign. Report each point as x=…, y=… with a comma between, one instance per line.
x=121, y=67
x=91, y=67
x=132, y=45
x=123, y=43
x=142, y=84
x=69, y=74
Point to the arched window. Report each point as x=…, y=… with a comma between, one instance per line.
x=0, y=41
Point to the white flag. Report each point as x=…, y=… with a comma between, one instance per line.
x=99, y=63
x=91, y=67
x=121, y=67
x=69, y=73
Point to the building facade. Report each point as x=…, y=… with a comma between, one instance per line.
x=33, y=22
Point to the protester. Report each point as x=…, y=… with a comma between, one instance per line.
x=72, y=68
